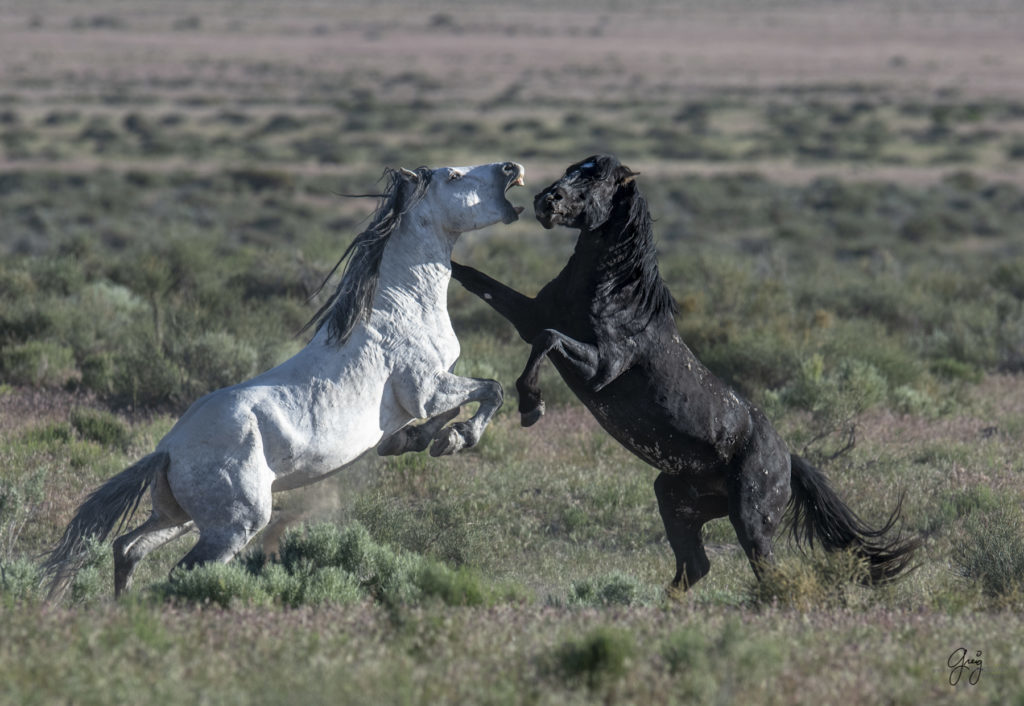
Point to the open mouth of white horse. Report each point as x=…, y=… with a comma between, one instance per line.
x=513, y=212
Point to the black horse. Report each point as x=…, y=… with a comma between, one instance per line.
x=607, y=324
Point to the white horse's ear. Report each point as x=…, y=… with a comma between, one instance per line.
x=409, y=174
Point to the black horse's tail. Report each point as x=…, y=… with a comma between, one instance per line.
x=819, y=514
x=111, y=505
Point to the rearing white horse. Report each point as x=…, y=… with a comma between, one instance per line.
x=382, y=357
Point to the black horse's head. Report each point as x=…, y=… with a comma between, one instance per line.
x=583, y=197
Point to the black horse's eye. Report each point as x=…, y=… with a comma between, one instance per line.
x=587, y=169
x=454, y=175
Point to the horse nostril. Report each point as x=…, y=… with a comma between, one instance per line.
x=554, y=196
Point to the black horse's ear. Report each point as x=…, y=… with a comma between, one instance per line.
x=625, y=175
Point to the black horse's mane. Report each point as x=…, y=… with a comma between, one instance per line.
x=352, y=301
x=630, y=266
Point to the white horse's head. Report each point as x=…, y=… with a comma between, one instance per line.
x=445, y=201
x=460, y=199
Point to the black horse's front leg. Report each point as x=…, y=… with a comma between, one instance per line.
x=583, y=357
x=520, y=310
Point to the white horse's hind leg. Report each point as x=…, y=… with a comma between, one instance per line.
x=227, y=522
x=228, y=497
x=131, y=548
x=217, y=544
x=166, y=522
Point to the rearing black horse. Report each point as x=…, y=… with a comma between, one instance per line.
x=607, y=324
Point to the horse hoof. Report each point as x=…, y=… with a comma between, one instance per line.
x=676, y=592
x=392, y=446
x=448, y=444
x=528, y=419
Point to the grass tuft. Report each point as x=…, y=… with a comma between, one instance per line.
x=807, y=582
x=601, y=655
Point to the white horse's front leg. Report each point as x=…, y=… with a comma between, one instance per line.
x=449, y=392
x=415, y=437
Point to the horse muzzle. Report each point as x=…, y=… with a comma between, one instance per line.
x=547, y=208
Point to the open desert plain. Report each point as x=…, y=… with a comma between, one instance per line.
x=838, y=199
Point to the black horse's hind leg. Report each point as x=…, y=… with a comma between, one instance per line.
x=583, y=357
x=684, y=514
x=520, y=310
x=759, y=491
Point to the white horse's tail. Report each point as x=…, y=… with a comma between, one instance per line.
x=112, y=505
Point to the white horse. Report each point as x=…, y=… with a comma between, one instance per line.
x=382, y=357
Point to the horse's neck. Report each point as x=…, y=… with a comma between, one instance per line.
x=609, y=253
x=617, y=267
x=415, y=268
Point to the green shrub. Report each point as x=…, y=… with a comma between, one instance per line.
x=954, y=506
x=221, y=584
x=144, y=375
x=323, y=545
x=98, y=371
x=19, y=580
x=834, y=397
x=601, y=655
x=90, y=584
x=461, y=587
x=703, y=663
x=56, y=433
x=613, y=589
x=331, y=585
x=326, y=564
x=217, y=359
x=686, y=649
x=38, y=364
x=102, y=427
x=990, y=550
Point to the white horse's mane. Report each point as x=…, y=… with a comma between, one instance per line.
x=352, y=301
